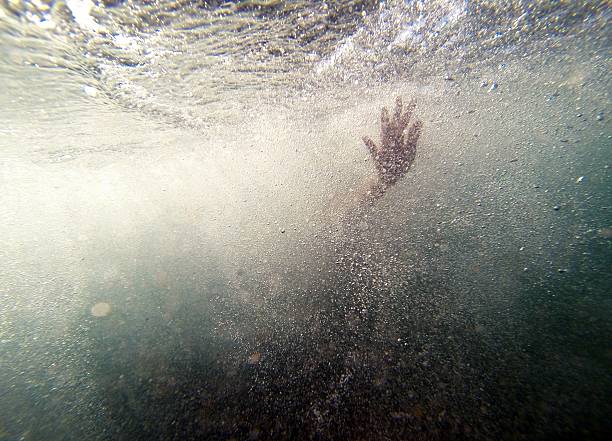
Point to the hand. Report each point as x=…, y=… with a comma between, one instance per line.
x=398, y=147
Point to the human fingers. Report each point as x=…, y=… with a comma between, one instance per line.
x=405, y=118
x=413, y=134
x=370, y=145
x=398, y=110
x=384, y=121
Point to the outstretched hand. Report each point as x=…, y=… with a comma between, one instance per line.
x=397, y=149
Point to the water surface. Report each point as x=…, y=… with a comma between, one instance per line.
x=180, y=257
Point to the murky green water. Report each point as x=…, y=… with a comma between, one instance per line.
x=182, y=256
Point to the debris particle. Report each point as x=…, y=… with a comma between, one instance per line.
x=605, y=233
x=101, y=309
x=254, y=358
x=399, y=415
x=91, y=91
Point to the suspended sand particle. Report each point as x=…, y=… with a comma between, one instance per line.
x=91, y=91
x=606, y=233
x=101, y=309
x=254, y=358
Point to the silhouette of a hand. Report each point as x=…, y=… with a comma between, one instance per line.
x=397, y=149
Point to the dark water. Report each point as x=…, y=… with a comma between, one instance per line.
x=181, y=259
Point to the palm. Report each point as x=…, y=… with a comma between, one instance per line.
x=397, y=150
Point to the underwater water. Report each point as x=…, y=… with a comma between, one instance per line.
x=182, y=256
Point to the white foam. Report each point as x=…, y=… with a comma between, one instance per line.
x=81, y=12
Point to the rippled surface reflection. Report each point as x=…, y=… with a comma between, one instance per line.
x=184, y=249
